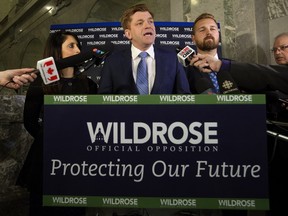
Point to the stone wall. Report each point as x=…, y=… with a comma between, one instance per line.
x=14, y=146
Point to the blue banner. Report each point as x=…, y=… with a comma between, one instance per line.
x=110, y=35
x=196, y=151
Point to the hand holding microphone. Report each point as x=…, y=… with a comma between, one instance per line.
x=15, y=78
x=185, y=55
x=206, y=63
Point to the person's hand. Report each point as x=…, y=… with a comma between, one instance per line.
x=206, y=63
x=15, y=78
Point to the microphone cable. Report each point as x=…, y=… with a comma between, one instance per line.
x=276, y=135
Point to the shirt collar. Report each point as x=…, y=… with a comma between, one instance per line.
x=135, y=51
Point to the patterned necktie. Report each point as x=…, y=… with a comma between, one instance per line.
x=142, y=74
x=213, y=78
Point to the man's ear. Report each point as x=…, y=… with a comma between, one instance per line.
x=128, y=34
x=193, y=38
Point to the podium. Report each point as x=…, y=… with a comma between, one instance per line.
x=156, y=151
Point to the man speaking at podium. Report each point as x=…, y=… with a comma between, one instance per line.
x=125, y=72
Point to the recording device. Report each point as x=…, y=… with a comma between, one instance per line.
x=48, y=67
x=227, y=85
x=81, y=58
x=185, y=55
x=48, y=70
x=204, y=86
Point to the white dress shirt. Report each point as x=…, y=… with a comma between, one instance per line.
x=151, y=64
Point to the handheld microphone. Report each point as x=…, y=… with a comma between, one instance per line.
x=184, y=56
x=48, y=67
x=48, y=70
x=227, y=84
x=80, y=58
x=204, y=86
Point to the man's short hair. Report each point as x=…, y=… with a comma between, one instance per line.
x=126, y=16
x=203, y=16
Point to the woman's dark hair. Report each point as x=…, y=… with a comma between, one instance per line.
x=54, y=44
x=53, y=48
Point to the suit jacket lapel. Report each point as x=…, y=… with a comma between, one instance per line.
x=127, y=66
x=159, y=71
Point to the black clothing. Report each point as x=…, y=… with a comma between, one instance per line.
x=278, y=151
x=268, y=80
x=31, y=173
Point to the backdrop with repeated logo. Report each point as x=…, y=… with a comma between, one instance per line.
x=109, y=36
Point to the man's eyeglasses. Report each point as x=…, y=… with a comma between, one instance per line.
x=283, y=47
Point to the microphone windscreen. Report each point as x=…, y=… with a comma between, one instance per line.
x=80, y=58
x=227, y=84
x=204, y=86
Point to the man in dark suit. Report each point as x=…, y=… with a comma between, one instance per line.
x=245, y=78
x=206, y=37
x=252, y=78
x=165, y=74
x=261, y=78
